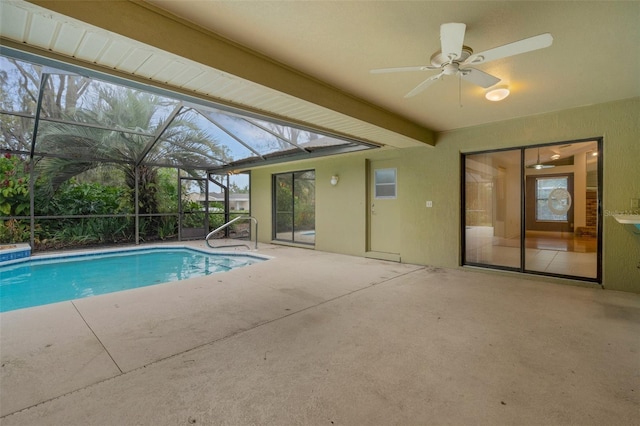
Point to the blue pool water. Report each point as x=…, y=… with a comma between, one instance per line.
x=41, y=281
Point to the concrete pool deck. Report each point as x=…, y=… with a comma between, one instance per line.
x=318, y=338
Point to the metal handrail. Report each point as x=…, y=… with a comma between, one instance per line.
x=220, y=228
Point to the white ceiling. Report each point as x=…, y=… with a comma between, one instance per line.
x=595, y=56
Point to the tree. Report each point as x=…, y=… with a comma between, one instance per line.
x=182, y=142
x=234, y=188
x=20, y=83
x=102, y=122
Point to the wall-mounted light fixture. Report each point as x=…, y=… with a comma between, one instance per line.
x=334, y=180
x=497, y=93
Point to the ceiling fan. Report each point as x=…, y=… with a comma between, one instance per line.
x=454, y=58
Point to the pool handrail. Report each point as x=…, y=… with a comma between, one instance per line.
x=220, y=228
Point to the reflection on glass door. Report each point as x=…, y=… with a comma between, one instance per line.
x=492, y=209
x=552, y=227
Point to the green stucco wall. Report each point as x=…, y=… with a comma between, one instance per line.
x=431, y=236
x=340, y=209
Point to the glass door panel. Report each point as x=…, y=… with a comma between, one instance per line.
x=492, y=228
x=304, y=207
x=283, y=220
x=561, y=209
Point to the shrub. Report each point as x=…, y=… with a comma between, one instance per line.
x=14, y=186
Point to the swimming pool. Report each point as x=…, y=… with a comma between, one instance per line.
x=48, y=279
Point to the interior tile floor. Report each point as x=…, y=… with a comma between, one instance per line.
x=318, y=338
x=556, y=253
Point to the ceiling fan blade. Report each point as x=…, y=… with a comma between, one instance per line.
x=451, y=39
x=527, y=45
x=479, y=78
x=403, y=69
x=420, y=87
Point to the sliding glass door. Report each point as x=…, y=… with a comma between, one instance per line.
x=535, y=209
x=294, y=201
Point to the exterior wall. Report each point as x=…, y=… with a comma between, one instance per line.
x=340, y=209
x=431, y=236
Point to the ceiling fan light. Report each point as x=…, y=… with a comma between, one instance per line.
x=539, y=165
x=498, y=93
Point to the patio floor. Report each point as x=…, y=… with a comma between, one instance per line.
x=318, y=338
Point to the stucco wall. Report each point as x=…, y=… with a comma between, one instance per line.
x=340, y=223
x=431, y=236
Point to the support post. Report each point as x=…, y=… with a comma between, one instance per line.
x=32, y=206
x=136, y=170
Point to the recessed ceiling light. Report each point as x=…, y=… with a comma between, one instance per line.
x=497, y=93
x=555, y=156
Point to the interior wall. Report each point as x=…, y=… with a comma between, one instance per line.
x=500, y=200
x=577, y=200
x=580, y=191
x=431, y=236
x=513, y=229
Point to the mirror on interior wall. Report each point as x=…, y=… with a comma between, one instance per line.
x=534, y=209
x=561, y=209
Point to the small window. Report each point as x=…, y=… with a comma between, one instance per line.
x=552, y=199
x=385, y=183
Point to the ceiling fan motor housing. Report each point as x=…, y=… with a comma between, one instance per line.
x=450, y=69
x=438, y=59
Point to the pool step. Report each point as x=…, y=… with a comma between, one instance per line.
x=12, y=252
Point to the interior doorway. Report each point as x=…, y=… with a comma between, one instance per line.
x=535, y=209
